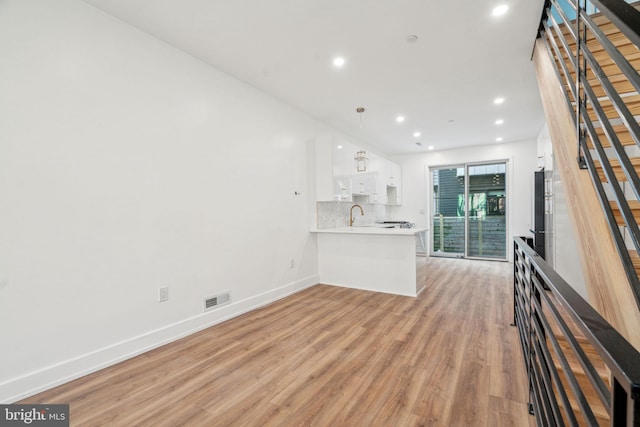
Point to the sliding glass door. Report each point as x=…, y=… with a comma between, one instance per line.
x=448, y=212
x=469, y=215
x=486, y=214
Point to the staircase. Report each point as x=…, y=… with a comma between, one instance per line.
x=606, y=107
x=601, y=86
x=587, y=59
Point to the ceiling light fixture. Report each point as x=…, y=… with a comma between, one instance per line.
x=338, y=62
x=431, y=147
x=499, y=139
x=400, y=119
x=417, y=134
x=498, y=100
x=412, y=38
x=499, y=121
x=361, y=160
x=500, y=10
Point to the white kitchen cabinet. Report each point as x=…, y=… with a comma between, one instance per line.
x=338, y=180
x=376, y=259
x=394, y=184
x=342, y=188
x=364, y=184
x=380, y=194
x=395, y=174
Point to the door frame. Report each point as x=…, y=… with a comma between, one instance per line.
x=465, y=166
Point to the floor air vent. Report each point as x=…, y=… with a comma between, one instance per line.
x=216, y=300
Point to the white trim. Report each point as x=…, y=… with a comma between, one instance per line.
x=51, y=376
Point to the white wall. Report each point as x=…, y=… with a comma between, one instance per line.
x=127, y=165
x=521, y=157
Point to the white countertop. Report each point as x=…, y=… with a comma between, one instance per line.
x=371, y=230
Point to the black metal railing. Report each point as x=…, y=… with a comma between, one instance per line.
x=568, y=348
x=594, y=84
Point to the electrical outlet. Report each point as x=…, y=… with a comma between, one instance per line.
x=292, y=263
x=163, y=294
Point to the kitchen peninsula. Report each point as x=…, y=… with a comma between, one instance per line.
x=372, y=258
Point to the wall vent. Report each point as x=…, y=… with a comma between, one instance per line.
x=216, y=301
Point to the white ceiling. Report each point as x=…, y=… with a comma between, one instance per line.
x=444, y=84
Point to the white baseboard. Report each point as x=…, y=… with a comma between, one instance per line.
x=35, y=382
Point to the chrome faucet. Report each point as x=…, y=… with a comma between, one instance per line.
x=351, y=214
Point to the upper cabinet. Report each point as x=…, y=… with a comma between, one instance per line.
x=371, y=180
x=395, y=175
x=394, y=184
x=342, y=188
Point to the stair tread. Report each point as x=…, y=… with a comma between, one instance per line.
x=598, y=409
x=617, y=168
x=582, y=340
x=634, y=205
x=623, y=135
x=590, y=352
x=635, y=259
x=619, y=81
x=589, y=392
x=601, y=414
x=631, y=102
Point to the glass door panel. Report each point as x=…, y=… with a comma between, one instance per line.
x=448, y=211
x=469, y=215
x=486, y=215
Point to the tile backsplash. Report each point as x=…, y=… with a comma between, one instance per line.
x=336, y=214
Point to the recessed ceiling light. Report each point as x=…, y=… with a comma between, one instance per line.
x=431, y=147
x=400, y=119
x=412, y=38
x=498, y=100
x=417, y=134
x=500, y=10
x=499, y=139
x=499, y=121
x=339, y=147
x=451, y=121
x=338, y=61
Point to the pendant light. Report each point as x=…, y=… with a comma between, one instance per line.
x=360, y=110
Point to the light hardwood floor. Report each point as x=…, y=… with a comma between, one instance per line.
x=330, y=356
